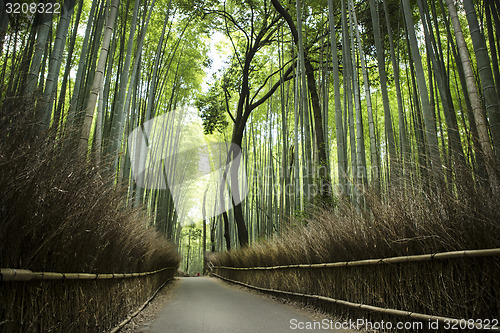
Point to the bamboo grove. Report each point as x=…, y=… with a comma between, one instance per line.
x=328, y=100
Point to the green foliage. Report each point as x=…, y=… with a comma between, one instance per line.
x=269, y=132
x=396, y=18
x=212, y=108
x=300, y=217
x=191, y=245
x=191, y=232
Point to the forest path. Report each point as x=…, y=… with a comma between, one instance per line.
x=201, y=304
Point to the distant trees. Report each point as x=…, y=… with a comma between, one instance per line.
x=326, y=103
x=309, y=91
x=422, y=139
x=193, y=236
x=95, y=85
x=257, y=24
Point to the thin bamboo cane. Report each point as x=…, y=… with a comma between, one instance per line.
x=394, y=312
x=133, y=315
x=10, y=274
x=392, y=260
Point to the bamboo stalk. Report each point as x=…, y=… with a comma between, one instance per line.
x=394, y=312
x=10, y=274
x=391, y=260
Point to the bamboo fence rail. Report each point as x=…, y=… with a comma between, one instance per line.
x=376, y=309
x=394, y=312
x=10, y=274
x=133, y=315
x=391, y=260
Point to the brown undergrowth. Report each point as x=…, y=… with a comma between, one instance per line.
x=61, y=214
x=410, y=222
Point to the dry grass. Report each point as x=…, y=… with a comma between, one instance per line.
x=407, y=223
x=60, y=214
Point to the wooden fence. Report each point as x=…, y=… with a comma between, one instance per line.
x=74, y=302
x=391, y=260
x=10, y=274
x=281, y=273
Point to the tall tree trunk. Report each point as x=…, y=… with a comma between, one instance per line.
x=295, y=149
x=428, y=114
x=422, y=152
x=479, y=115
x=375, y=172
x=213, y=225
x=4, y=24
x=79, y=79
x=389, y=132
x=132, y=91
x=361, y=175
x=435, y=55
x=58, y=116
x=477, y=160
x=347, y=61
x=99, y=74
x=490, y=6
x=323, y=174
x=45, y=109
x=306, y=66
x=23, y=68
x=339, y=127
x=403, y=139
x=41, y=44
x=204, y=241
x=227, y=236
x=485, y=73
x=304, y=100
x=286, y=166
x=188, y=252
x=119, y=112
x=244, y=108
